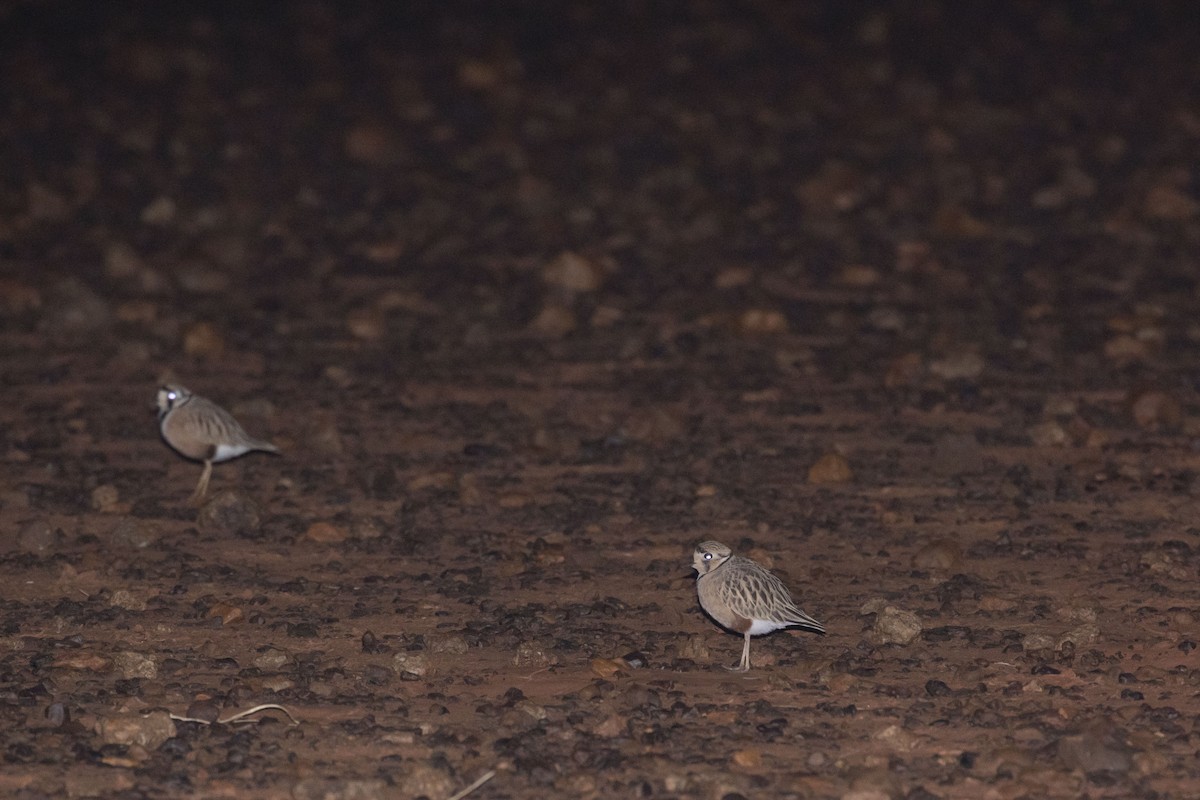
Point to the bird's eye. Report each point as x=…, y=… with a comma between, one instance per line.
x=171, y=396
x=708, y=556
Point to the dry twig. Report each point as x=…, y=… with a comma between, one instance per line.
x=484, y=778
x=239, y=716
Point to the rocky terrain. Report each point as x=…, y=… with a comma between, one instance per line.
x=899, y=299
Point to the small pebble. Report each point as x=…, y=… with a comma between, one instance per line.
x=412, y=663
x=37, y=536
x=574, y=273
x=325, y=532
x=272, y=659
x=424, y=780
x=531, y=654
x=896, y=626
x=749, y=758
x=135, y=665
x=451, y=643
x=962, y=366
x=1048, y=434
x=123, y=598
x=57, y=714
x=1154, y=410
x=607, y=668
x=133, y=532
x=226, y=612
x=553, y=322
x=830, y=468
x=943, y=554
x=1036, y=642
x=148, y=730
x=317, y=788
x=636, y=660
x=105, y=497
x=203, y=340
x=230, y=512
x=368, y=324
x=762, y=321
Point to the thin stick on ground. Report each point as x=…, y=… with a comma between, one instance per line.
x=240, y=716
x=484, y=778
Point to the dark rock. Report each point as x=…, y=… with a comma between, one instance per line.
x=230, y=512
x=1099, y=747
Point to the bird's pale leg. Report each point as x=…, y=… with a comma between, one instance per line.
x=202, y=486
x=744, y=664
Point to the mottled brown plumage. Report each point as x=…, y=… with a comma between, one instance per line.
x=744, y=596
x=199, y=429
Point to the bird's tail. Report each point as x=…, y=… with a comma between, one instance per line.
x=800, y=619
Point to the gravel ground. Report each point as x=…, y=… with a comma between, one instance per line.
x=898, y=299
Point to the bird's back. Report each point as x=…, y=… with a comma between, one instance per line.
x=201, y=429
x=754, y=592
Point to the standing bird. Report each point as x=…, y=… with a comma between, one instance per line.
x=744, y=597
x=199, y=429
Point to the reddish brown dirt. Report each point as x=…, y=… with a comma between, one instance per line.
x=534, y=301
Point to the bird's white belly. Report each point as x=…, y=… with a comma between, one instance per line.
x=760, y=626
x=228, y=451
